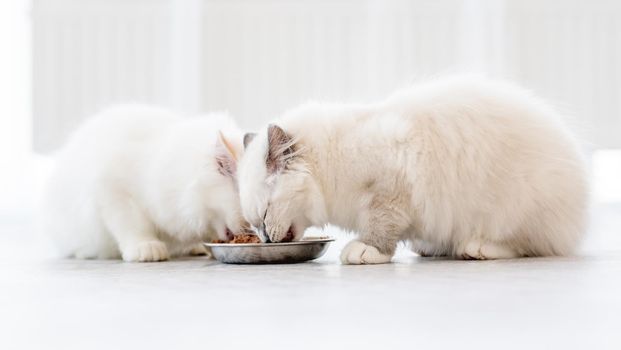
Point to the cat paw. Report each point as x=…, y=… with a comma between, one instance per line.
x=146, y=252
x=487, y=251
x=357, y=253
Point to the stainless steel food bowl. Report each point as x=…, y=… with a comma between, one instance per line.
x=308, y=248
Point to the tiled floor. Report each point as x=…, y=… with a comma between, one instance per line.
x=549, y=303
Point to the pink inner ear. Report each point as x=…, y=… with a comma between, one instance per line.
x=225, y=142
x=225, y=157
x=226, y=165
x=279, y=147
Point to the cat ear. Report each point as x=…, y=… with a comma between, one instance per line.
x=248, y=138
x=226, y=157
x=280, y=148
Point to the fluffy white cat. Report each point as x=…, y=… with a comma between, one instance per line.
x=144, y=184
x=460, y=167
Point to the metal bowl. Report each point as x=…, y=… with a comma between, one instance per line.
x=308, y=248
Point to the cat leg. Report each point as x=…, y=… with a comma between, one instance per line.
x=382, y=228
x=477, y=250
x=133, y=231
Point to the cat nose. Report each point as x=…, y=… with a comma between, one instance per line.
x=229, y=234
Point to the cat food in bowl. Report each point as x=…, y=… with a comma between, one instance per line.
x=249, y=250
x=240, y=238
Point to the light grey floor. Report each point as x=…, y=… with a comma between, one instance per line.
x=549, y=303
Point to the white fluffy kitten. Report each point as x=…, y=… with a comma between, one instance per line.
x=462, y=167
x=142, y=183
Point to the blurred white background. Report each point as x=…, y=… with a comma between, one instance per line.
x=62, y=60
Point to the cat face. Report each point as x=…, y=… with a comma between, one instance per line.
x=276, y=186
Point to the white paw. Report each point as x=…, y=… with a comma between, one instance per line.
x=473, y=251
x=356, y=253
x=146, y=251
x=487, y=251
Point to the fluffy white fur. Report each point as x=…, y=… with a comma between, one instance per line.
x=142, y=183
x=461, y=167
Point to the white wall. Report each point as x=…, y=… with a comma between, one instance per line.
x=17, y=169
x=569, y=51
x=256, y=58
x=261, y=57
x=88, y=54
